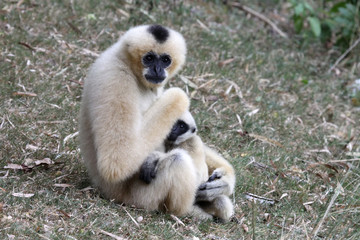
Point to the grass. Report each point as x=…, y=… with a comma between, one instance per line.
x=272, y=110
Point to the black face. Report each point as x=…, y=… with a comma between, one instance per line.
x=177, y=130
x=156, y=66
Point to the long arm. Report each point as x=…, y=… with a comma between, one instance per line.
x=161, y=116
x=114, y=123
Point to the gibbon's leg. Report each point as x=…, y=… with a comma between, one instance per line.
x=174, y=187
x=199, y=213
x=221, y=180
x=221, y=207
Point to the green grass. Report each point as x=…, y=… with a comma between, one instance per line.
x=280, y=92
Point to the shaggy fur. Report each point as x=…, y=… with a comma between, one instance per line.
x=124, y=117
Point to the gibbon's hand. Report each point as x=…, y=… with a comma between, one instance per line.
x=214, y=187
x=149, y=168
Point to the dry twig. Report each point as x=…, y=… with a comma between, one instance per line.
x=132, y=219
x=338, y=190
x=260, y=16
x=111, y=235
x=344, y=55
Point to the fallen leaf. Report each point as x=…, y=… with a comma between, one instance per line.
x=64, y=213
x=63, y=185
x=225, y=62
x=27, y=94
x=123, y=12
x=245, y=227
x=177, y=220
x=46, y=161
x=265, y=139
x=23, y=195
x=1, y=206
x=86, y=189
x=283, y=195
x=14, y=166
x=308, y=208
x=111, y=235
x=28, y=162
x=188, y=82
x=253, y=112
x=31, y=147
x=211, y=98
x=202, y=25
x=323, y=176
x=260, y=199
x=70, y=136
x=139, y=219
x=267, y=217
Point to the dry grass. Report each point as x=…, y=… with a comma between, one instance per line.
x=289, y=128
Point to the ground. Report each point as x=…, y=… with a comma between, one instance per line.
x=267, y=103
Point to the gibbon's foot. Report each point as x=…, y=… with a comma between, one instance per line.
x=221, y=208
x=208, y=191
x=149, y=168
x=213, y=188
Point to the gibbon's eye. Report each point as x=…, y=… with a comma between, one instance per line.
x=182, y=125
x=149, y=58
x=166, y=59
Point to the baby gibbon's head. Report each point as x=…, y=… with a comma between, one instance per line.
x=183, y=129
x=154, y=53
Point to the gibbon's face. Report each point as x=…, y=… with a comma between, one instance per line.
x=183, y=129
x=155, y=66
x=154, y=53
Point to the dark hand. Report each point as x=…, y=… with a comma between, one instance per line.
x=149, y=168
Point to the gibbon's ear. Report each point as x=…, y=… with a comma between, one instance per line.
x=154, y=53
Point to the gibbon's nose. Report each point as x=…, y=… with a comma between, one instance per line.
x=193, y=130
x=157, y=69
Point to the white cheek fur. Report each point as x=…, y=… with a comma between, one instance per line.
x=145, y=71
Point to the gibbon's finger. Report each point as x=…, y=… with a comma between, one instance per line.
x=215, y=175
x=148, y=170
x=210, y=190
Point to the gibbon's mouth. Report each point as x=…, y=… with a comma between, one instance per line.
x=155, y=80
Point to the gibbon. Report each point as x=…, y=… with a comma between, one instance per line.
x=183, y=136
x=126, y=114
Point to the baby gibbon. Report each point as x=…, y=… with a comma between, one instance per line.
x=183, y=136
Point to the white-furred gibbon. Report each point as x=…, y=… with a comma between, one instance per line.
x=183, y=136
x=126, y=115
